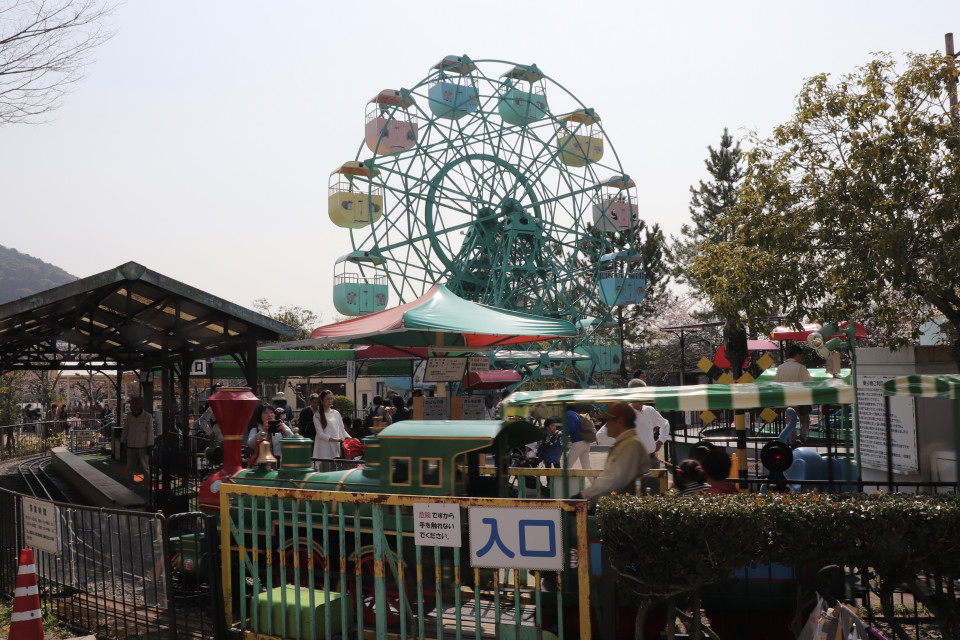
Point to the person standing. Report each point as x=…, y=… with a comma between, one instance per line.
x=627, y=459
x=793, y=370
x=309, y=417
x=551, y=448
x=579, y=448
x=138, y=436
x=400, y=411
x=329, y=427
x=652, y=428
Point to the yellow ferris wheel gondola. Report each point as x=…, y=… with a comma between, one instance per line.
x=355, y=198
x=390, y=127
x=579, y=139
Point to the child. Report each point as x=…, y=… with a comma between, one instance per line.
x=551, y=448
x=688, y=478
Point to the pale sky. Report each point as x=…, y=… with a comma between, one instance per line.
x=201, y=140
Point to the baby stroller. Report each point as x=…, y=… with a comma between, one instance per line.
x=527, y=458
x=831, y=619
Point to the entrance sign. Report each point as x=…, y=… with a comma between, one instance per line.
x=351, y=371
x=445, y=369
x=436, y=524
x=40, y=525
x=516, y=538
x=873, y=428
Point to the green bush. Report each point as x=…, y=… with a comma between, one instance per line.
x=346, y=407
x=667, y=545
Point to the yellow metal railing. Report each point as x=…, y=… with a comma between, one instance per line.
x=284, y=553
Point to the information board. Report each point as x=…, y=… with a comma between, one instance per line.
x=472, y=408
x=40, y=525
x=436, y=408
x=445, y=369
x=479, y=364
x=436, y=524
x=873, y=429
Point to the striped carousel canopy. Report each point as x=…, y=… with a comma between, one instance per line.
x=696, y=397
x=923, y=386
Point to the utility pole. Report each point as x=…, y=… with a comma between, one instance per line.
x=952, y=84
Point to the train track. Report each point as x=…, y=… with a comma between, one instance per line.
x=38, y=481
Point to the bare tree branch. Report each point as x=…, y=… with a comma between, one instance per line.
x=44, y=48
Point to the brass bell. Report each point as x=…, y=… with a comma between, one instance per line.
x=265, y=453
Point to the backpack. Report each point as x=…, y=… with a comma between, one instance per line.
x=587, y=429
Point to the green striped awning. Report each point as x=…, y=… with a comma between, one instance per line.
x=696, y=397
x=923, y=386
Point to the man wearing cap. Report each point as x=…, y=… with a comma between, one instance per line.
x=627, y=459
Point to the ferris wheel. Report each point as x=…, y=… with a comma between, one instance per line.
x=492, y=178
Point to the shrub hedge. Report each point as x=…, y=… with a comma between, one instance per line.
x=662, y=546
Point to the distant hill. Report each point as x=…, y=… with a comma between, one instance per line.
x=21, y=275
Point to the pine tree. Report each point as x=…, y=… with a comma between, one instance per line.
x=707, y=203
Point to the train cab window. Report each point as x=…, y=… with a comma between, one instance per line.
x=400, y=471
x=430, y=473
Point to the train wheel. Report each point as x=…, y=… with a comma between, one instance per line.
x=368, y=590
x=291, y=558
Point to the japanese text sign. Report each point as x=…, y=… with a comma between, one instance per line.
x=515, y=538
x=436, y=524
x=40, y=525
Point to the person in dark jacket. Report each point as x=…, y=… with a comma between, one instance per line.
x=305, y=422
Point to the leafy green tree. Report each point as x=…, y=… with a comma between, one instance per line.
x=852, y=205
x=708, y=202
x=303, y=320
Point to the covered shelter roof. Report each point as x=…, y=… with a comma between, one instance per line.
x=439, y=318
x=130, y=316
x=696, y=397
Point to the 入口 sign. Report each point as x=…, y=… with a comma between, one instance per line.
x=516, y=538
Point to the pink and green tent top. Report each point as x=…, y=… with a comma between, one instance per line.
x=439, y=318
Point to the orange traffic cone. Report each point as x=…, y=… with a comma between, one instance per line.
x=26, y=622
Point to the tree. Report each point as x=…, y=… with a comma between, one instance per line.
x=851, y=206
x=633, y=321
x=44, y=48
x=303, y=320
x=708, y=202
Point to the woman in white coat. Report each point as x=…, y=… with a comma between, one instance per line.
x=329, y=427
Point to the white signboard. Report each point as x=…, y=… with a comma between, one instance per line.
x=515, y=538
x=479, y=364
x=198, y=368
x=546, y=371
x=445, y=369
x=472, y=408
x=436, y=524
x=351, y=371
x=436, y=408
x=873, y=429
x=40, y=525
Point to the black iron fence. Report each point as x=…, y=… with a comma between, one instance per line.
x=111, y=572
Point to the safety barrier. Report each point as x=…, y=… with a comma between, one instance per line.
x=297, y=563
